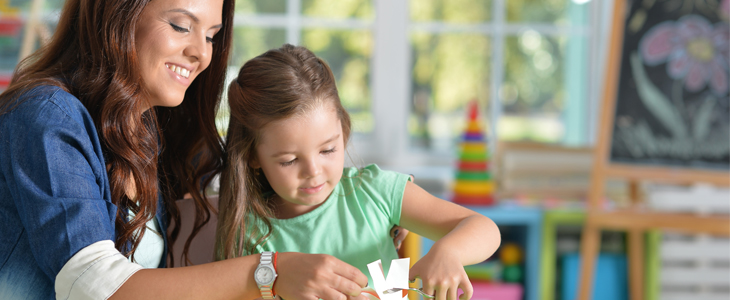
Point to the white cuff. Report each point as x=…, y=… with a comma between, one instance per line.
x=95, y=272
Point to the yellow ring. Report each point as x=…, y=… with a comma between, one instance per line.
x=473, y=188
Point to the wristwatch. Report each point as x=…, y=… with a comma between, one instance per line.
x=265, y=275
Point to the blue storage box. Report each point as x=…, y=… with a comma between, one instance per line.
x=610, y=281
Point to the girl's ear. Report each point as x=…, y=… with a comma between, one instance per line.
x=254, y=164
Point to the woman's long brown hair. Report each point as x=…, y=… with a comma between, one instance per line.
x=275, y=85
x=158, y=151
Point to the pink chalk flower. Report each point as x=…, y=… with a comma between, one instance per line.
x=695, y=51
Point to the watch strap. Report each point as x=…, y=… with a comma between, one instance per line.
x=267, y=290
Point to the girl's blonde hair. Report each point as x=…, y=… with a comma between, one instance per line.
x=278, y=84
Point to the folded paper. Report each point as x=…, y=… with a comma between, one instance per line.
x=397, y=277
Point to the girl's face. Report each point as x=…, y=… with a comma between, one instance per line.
x=302, y=158
x=174, y=44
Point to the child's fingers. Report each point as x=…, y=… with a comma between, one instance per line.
x=399, y=235
x=467, y=288
x=351, y=279
x=362, y=296
x=334, y=294
x=412, y=274
x=348, y=285
x=429, y=290
x=402, y=233
x=395, y=230
x=452, y=293
x=441, y=293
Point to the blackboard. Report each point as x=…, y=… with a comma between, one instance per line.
x=672, y=106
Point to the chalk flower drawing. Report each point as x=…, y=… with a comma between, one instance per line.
x=695, y=51
x=690, y=134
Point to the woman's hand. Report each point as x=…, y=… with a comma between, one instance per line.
x=317, y=276
x=442, y=275
x=399, y=235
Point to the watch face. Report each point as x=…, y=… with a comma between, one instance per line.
x=264, y=275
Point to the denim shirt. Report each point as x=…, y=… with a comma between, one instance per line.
x=54, y=191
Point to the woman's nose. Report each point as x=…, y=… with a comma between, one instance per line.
x=199, y=49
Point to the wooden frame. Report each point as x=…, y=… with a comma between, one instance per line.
x=548, y=269
x=552, y=220
x=635, y=220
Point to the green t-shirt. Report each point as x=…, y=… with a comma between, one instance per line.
x=353, y=224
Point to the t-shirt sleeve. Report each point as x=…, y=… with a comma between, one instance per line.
x=54, y=171
x=385, y=189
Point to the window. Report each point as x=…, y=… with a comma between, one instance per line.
x=340, y=32
x=524, y=61
x=406, y=69
x=452, y=49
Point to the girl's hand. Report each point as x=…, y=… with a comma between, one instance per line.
x=442, y=275
x=399, y=235
x=317, y=276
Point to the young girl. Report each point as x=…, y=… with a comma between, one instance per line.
x=285, y=188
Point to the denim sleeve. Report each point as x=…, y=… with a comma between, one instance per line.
x=55, y=173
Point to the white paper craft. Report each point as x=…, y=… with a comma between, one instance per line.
x=397, y=277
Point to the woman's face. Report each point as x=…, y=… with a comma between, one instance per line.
x=174, y=44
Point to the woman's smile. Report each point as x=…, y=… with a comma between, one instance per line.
x=179, y=74
x=179, y=70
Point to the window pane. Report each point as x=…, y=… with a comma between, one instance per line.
x=537, y=11
x=449, y=70
x=533, y=92
x=261, y=6
x=451, y=11
x=341, y=9
x=348, y=54
x=249, y=42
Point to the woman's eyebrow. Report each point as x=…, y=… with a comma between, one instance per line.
x=192, y=16
x=185, y=12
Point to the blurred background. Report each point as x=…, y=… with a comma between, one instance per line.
x=408, y=71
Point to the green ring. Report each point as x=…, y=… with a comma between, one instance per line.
x=473, y=156
x=473, y=176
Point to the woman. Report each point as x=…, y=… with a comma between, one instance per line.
x=100, y=131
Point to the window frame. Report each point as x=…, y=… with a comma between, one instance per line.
x=390, y=141
x=390, y=75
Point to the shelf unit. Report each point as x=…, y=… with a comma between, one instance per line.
x=512, y=215
x=554, y=218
